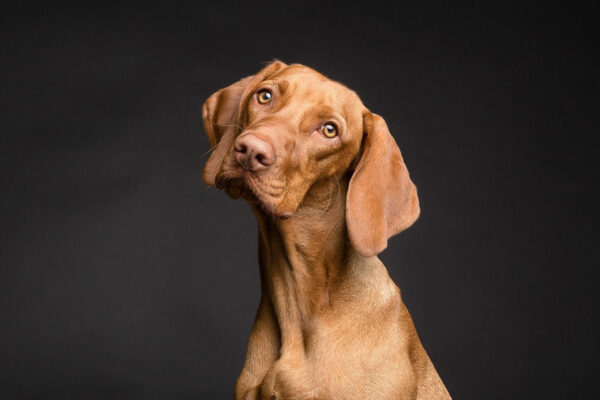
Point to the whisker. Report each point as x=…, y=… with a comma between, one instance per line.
x=237, y=126
x=328, y=201
x=228, y=125
x=337, y=179
x=208, y=151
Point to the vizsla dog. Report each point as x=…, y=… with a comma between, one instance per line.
x=328, y=186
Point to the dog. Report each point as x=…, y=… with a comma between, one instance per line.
x=328, y=186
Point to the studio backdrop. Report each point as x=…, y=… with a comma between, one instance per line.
x=122, y=276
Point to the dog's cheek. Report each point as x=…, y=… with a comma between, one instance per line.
x=285, y=208
x=299, y=194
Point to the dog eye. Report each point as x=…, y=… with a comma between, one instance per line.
x=329, y=130
x=263, y=96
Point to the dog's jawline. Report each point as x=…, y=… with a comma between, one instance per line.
x=246, y=193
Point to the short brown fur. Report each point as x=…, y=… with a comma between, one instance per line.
x=331, y=323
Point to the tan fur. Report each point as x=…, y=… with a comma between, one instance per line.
x=331, y=323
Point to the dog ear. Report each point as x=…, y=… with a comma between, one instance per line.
x=221, y=113
x=382, y=200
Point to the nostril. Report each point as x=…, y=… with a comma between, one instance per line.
x=240, y=147
x=260, y=158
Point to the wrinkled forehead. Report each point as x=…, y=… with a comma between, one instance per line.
x=305, y=87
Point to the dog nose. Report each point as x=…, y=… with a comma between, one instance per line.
x=253, y=153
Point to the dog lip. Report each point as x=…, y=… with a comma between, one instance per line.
x=222, y=181
x=249, y=185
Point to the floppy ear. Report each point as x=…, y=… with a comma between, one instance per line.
x=221, y=113
x=381, y=200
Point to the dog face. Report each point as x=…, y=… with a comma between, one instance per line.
x=279, y=132
x=297, y=127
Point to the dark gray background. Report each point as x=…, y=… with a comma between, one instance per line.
x=123, y=276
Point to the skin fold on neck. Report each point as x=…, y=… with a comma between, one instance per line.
x=303, y=258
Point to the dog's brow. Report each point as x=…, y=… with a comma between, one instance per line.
x=321, y=115
x=280, y=85
x=323, y=112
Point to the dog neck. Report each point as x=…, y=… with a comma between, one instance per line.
x=302, y=258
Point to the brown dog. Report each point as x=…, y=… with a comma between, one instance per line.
x=328, y=185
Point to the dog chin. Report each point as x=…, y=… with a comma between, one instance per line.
x=239, y=187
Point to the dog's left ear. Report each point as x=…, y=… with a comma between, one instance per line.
x=221, y=113
x=382, y=200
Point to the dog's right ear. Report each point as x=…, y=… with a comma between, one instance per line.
x=221, y=113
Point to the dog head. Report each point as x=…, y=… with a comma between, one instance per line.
x=279, y=132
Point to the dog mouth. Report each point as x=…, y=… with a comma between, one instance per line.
x=256, y=191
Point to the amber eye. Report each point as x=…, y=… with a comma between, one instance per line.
x=329, y=130
x=263, y=96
